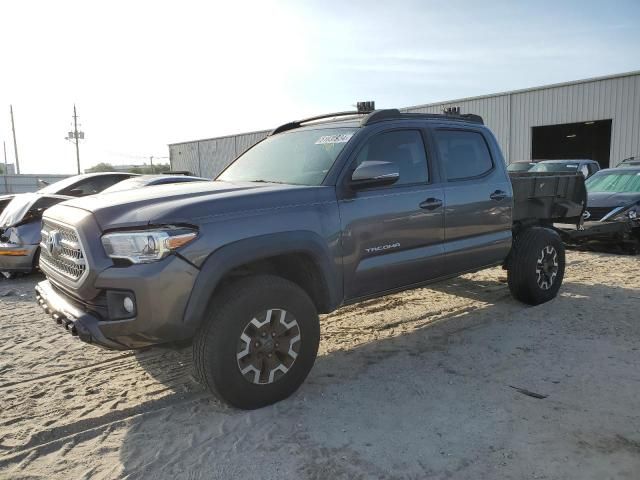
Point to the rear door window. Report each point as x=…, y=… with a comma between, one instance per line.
x=464, y=154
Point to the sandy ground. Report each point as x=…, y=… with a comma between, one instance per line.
x=416, y=385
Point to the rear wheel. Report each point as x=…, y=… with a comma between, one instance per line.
x=259, y=343
x=536, y=265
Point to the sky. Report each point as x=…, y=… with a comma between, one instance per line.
x=147, y=73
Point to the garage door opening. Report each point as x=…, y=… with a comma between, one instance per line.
x=590, y=140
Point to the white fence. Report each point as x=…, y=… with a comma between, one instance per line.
x=26, y=183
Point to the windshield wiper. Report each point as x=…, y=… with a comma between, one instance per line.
x=264, y=181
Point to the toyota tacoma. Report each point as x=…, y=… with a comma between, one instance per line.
x=324, y=212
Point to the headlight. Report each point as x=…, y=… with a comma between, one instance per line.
x=146, y=246
x=631, y=213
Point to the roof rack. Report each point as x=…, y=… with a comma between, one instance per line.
x=363, y=108
x=395, y=114
x=375, y=116
x=298, y=123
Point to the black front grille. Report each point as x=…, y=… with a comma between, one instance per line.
x=597, y=213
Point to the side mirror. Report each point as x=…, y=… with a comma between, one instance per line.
x=374, y=174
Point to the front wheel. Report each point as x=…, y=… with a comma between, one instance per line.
x=536, y=265
x=259, y=343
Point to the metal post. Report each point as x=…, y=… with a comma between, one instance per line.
x=151, y=161
x=15, y=143
x=6, y=168
x=75, y=134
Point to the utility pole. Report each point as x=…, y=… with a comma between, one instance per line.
x=6, y=167
x=151, y=162
x=75, y=136
x=15, y=143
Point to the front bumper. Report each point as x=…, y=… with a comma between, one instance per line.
x=17, y=258
x=161, y=291
x=74, y=320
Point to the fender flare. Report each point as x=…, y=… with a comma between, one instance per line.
x=245, y=251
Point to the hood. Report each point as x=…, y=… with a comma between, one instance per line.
x=23, y=203
x=611, y=199
x=188, y=203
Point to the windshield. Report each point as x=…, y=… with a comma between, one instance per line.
x=615, y=183
x=128, y=184
x=555, y=167
x=520, y=166
x=61, y=185
x=298, y=158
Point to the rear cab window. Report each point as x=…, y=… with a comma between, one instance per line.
x=463, y=154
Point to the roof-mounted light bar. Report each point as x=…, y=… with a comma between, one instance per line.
x=366, y=107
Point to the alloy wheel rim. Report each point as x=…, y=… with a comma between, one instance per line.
x=268, y=346
x=547, y=267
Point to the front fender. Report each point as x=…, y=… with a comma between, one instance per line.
x=245, y=251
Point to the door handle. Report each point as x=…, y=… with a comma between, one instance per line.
x=498, y=195
x=431, y=204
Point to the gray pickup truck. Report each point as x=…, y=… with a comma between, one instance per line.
x=324, y=212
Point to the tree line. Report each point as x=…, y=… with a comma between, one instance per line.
x=143, y=169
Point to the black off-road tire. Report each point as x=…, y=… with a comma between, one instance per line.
x=216, y=344
x=528, y=280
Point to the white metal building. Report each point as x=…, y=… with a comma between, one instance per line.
x=597, y=118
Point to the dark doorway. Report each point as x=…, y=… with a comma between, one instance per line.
x=590, y=140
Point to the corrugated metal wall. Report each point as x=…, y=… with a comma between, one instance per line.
x=494, y=110
x=510, y=116
x=207, y=158
x=26, y=183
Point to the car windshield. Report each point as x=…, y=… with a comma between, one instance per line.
x=520, y=166
x=300, y=157
x=555, y=167
x=615, y=182
x=59, y=186
x=129, y=184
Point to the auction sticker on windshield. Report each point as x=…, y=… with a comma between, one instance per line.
x=340, y=138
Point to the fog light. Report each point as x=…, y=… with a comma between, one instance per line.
x=127, y=303
x=121, y=304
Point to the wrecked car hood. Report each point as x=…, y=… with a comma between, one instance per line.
x=21, y=204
